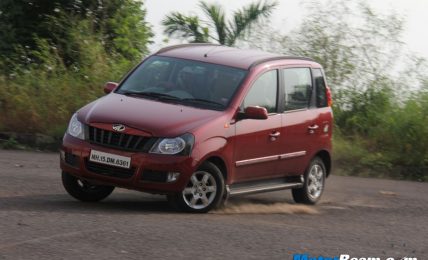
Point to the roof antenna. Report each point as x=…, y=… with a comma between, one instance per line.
x=206, y=54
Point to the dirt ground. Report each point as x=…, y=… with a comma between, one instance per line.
x=356, y=216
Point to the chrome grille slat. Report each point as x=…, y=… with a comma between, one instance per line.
x=137, y=142
x=129, y=141
x=109, y=137
x=95, y=134
x=120, y=140
x=102, y=136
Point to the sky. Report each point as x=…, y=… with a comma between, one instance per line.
x=289, y=14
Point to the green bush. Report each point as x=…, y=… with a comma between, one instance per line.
x=379, y=136
x=120, y=25
x=39, y=97
x=11, y=143
x=55, y=57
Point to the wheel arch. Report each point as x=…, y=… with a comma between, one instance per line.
x=326, y=158
x=220, y=163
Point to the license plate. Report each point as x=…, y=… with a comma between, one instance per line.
x=110, y=159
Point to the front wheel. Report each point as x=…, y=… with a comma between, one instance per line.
x=83, y=190
x=203, y=192
x=313, y=185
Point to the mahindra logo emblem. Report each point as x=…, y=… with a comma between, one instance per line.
x=119, y=127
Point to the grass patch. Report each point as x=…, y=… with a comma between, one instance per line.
x=10, y=144
x=353, y=156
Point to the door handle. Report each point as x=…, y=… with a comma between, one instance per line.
x=275, y=134
x=312, y=128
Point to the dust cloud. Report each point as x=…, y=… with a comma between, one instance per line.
x=265, y=208
x=387, y=193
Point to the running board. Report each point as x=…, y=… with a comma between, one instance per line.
x=256, y=188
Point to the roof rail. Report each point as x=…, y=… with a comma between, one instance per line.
x=178, y=46
x=279, y=58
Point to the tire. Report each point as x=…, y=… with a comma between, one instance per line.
x=83, y=190
x=203, y=192
x=313, y=185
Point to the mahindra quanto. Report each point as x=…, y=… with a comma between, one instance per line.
x=202, y=122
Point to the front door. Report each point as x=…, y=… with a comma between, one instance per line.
x=257, y=142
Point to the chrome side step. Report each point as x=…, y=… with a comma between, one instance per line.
x=243, y=189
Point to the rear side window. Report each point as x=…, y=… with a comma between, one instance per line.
x=298, y=88
x=321, y=96
x=263, y=92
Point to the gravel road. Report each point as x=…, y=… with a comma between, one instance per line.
x=356, y=216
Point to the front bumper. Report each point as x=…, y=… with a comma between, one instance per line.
x=75, y=160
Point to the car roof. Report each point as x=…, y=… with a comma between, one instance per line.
x=228, y=56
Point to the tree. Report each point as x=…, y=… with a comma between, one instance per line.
x=186, y=27
x=380, y=94
x=357, y=46
x=55, y=55
x=120, y=23
x=227, y=32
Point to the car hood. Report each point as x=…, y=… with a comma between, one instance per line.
x=154, y=117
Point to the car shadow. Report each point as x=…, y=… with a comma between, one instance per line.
x=66, y=204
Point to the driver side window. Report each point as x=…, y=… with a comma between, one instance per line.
x=264, y=92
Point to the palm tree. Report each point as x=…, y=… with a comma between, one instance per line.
x=227, y=32
x=185, y=27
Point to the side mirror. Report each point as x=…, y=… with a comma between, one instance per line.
x=109, y=87
x=255, y=113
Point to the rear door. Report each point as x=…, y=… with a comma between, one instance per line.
x=324, y=118
x=298, y=120
x=256, y=147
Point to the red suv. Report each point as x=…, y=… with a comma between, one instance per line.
x=201, y=122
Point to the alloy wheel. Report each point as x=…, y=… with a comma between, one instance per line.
x=200, y=191
x=315, y=181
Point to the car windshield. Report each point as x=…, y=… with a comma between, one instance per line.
x=187, y=82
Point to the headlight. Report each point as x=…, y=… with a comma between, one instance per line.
x=75, y=128
x=181, y=145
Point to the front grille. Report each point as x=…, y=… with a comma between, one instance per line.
x=120, y=140
x=109, y=170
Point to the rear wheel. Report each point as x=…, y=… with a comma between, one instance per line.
x=84, y=190
x=203, y=192
x=313, y=185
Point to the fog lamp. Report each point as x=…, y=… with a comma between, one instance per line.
x=172, y=176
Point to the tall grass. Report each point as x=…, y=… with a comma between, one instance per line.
x=380, y=136
x=41, y=92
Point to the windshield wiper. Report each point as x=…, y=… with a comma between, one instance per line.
x=200, y=100
x=154, y=95
x=161, y=96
